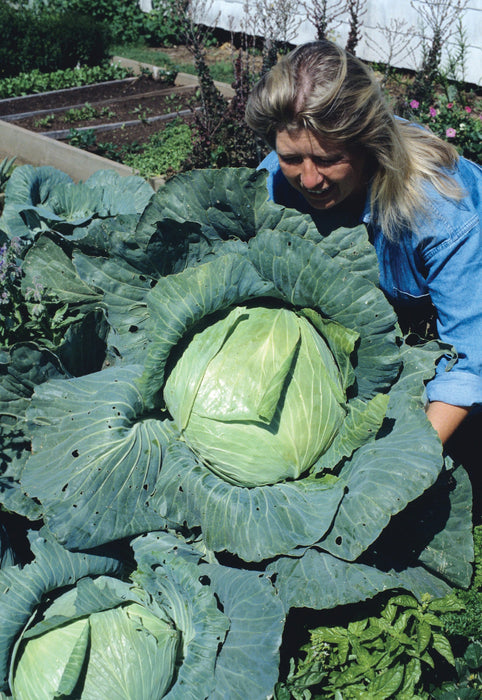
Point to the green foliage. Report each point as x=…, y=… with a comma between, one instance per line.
x=6, y=169
x=378, y=657
x=145, y=271
x=123, y=18
x=48, y=41
x=82, y=138
x=164, y=22
x=86, y=113
x=468, y=623
x=45, y=122
x=35, y=81
x=24, y=312
x=451, y=117
x=468, y=684
x=164, y=152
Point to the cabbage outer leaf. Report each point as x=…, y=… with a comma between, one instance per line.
x=22, y=368
x=107, y=455
x=256, y=619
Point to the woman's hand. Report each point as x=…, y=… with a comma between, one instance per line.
x=445, y=418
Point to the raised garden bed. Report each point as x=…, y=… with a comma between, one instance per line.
x=129, y=110
x=36, y=128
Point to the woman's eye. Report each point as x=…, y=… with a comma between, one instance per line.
x=326, y=163
x=291, y=160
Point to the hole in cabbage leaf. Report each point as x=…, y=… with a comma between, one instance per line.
x=75, y=453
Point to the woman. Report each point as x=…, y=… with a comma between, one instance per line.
x=340, y=155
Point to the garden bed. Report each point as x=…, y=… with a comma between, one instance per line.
x=129, y=110
x=106, y=119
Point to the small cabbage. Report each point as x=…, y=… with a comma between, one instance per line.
x=124, y=652
x=257, y=395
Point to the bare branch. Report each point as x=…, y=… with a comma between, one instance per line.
x=324, y=15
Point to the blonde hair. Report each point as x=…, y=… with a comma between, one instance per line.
x=321, y=87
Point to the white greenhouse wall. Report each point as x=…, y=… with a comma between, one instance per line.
x=229, y=14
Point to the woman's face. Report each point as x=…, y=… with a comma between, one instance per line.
x=324, y=172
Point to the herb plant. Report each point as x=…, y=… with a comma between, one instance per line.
x=380, y=656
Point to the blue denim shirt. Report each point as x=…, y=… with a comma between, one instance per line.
x=441, y=263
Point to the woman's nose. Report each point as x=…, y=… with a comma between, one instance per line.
x=310, y=175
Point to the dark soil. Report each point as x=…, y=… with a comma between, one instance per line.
x=138, y=106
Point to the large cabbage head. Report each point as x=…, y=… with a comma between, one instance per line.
x=257, y=395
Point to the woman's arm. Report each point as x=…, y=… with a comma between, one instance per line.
x=445, y=418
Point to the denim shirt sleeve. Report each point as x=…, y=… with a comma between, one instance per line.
x=443, y=262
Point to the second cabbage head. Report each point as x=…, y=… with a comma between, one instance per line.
x=257, y=395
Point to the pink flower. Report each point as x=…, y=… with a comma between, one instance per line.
x=414, y=104
x=433, y=112
x=450, y=105
x=468, y=109
x=450, y=133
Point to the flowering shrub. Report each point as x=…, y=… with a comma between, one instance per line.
x=453, y=121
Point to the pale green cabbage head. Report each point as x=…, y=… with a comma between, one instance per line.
x=257, y=395
x=124, y=652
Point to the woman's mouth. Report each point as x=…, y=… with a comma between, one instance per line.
x=317, y=193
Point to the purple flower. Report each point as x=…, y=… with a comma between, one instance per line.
x=414, y=104
x=468, y=109
x=450, y=133
x=433, y=112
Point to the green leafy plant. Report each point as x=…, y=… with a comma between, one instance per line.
x=192, y=282
x=468, y=623
x=82, y=138
x=48, y=40
x=468, y=684
x=6, y=169
x=45, y=122
x=141, y=113
x=174, y=625
x=380, y=656
x=164, y=152
x=86, y=113
x=35, y=81
x=164, y=22
x=23, y=313
x=124, y=18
